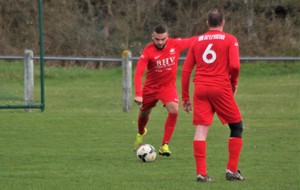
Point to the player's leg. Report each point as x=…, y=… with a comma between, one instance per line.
x=202, y=118
x=228, y=112
x=149, y=102
x=199, y=145
x=235, y=143
x=169, y=127
x=143, y=119
x=169, y=98
x=171, y=120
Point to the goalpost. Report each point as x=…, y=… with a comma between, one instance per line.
x=29, y=73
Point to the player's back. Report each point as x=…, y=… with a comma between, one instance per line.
x=212, y=53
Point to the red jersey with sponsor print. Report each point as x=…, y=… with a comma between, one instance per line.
x=216, y=57
x=161, y=65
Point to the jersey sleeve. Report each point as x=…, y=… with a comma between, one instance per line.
x=185, y=43
x=186, y=74
x=234, y=62
x=139, y=72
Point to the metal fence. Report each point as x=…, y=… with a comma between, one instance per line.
x=61, y=58
x=126, y=62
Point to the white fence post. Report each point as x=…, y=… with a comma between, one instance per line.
x=126, y=81
x=28, y=79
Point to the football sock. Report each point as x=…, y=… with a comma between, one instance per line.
x=142, y=122
x=234, y=150
x=169, y=127
x=200, y=157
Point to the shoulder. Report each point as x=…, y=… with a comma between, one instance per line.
x=174, y=40
x=230, y=36
x=148, y=48
x=231, y=40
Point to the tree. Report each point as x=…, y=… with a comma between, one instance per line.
x=104, y=28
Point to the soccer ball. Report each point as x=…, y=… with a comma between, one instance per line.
x=146, y=153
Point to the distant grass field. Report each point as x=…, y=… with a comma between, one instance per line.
x=83, y=140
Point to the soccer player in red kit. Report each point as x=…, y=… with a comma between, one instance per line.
x=160, y=58
x=216, y=57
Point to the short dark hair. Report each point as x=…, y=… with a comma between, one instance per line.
x=160, y=29
x=215, y=17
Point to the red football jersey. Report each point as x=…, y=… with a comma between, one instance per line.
x=161, y=64
x=216, y=57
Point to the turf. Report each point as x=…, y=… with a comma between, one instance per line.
x=84, y=140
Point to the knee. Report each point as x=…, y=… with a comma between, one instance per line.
x=236, y=129
x=172, y=108
x=145, y=114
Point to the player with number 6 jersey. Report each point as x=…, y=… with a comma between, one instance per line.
x=216, y=57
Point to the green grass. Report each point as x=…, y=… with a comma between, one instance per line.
x=83, y=140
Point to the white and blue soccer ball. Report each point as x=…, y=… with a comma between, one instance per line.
x=146, y=153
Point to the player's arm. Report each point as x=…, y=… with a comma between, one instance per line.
x=234, y=63
x=185, y=80
x=138, y=100
x=138, y=77
x=185, y=43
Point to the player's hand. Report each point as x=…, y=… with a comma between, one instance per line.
x=234, y=89
x=187, y=106
x=138, y=100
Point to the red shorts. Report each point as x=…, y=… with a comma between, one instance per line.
x=213, y=99
x=164, y=94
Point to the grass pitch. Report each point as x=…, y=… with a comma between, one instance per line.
x=83, y=140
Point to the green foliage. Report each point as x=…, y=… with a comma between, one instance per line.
x=83, y=140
